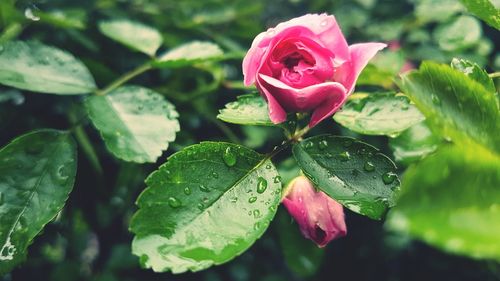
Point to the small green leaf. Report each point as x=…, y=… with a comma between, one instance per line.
x=461, y=33
x=188, y=54
x=248, y=109
x=37, y=172
x=451, y=200
x=485, y=10
x=456, y=107
x=302, y=256
x=206, y=205
x=39, y=68
x=134, y=35
x=378, y=114
x=475, y=72
x=136, y=123
x=414, y=143
x=68, y=18
x=354, y=173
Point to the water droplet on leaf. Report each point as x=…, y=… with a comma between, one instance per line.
x=174, y=202
x=187, y=190
x=204, y=188
x=344, y=156
x=261, y=185
x=252, y=199
x=369, y=167
x=435, y=100
x=323, y=144
x=389, y=177
x=229, y=157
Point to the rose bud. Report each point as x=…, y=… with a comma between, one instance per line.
x=319, y=217
x=305, y=65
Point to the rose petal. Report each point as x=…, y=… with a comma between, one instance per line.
x=302, y=99
x=276, y=112
x=361, y=54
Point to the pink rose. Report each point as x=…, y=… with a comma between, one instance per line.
x=305, y=64
x=319, y=217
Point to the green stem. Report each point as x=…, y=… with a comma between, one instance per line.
x=84, y=142
x=494, y=74
x=124, y=78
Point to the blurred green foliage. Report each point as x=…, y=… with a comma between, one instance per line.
x=89, y=240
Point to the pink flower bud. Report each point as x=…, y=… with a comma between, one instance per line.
x=320, y=218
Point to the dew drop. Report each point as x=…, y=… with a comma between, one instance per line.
x=256, y=226
x=187, y=191
x=234, y=199
x=268, y=166
x=256, y=214
x=204, y=188
x=272, y=209
x=215, y=175
x=174, y=202
x=261, y=185
x=324, y=22
x=369, y=167
x=389, y=177
x=323, y=144
x=344, y=156
x=435, y=100
x=309, y=145
x=229, y=157
x=277, y=179
x=252, y=199
x=200, y=206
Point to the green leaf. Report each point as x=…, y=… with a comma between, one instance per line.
x=206, y=205
x=39, y=68
x=134, y=35
x=354, y=173
x=456, y=107
x=248, y=109
x=414, y=143
x=68, y=18
x=475, y=72
x=378, y=114
x=301, y=255
x=461, y=33
x=436, y=10
x=451, y=200
x=37, y=172
x=135, y=123
x=188, y=54
x=485, y=10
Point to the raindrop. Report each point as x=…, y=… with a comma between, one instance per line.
x=187, y=191
x=272, y=209
x=28, y=13
x=215, y=175
x=435, y=100
x=229, y=157
x=369, y=167
x=200, y=206
x=277, y=179
x=323, y=144
x=252, y=199
x=268, y=166
x=174, y=202
x=309, y=145
x=261, y=185
x=344, y=156
x=256, y=226
x=233, y=199
x=389, y=177
x=324, y=22
x=204, y=188
x=61, y=173
x=256, y=214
